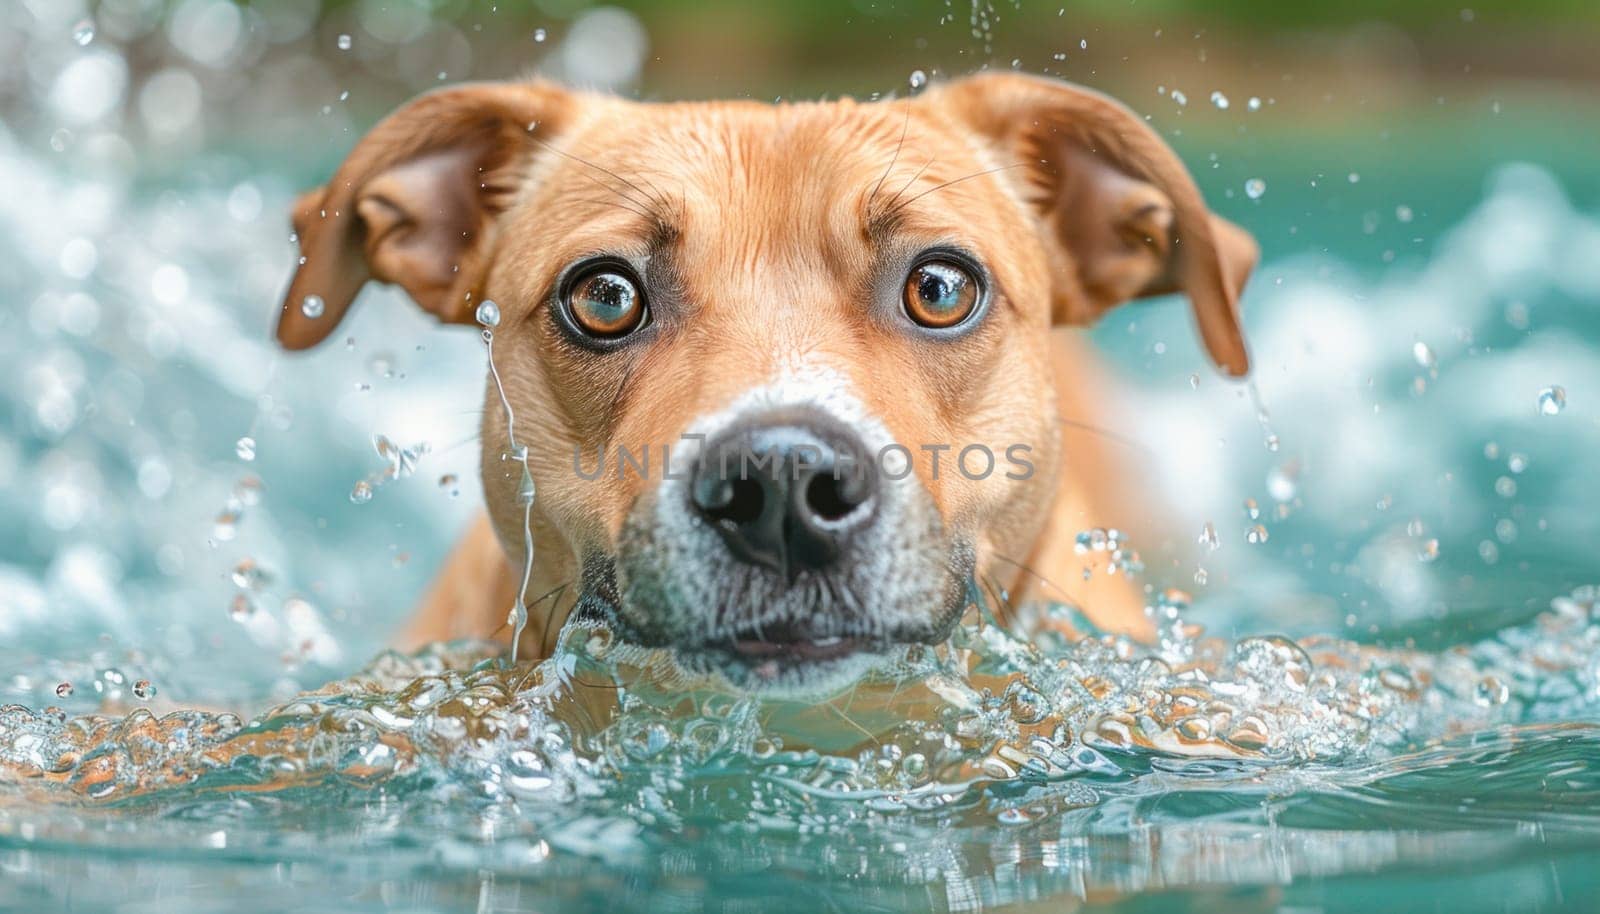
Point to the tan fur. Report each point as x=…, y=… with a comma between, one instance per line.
x=773, y=221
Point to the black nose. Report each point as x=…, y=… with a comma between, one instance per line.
x=786, y=491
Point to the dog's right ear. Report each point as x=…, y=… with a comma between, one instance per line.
x=416, y=202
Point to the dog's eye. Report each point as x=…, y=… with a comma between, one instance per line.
x=940, y=293
x=605, y=302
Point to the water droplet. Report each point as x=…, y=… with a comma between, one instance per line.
x=1220, y=100
x=246, y=575
x=488, y=313
x=1208, y=537
x=345, y=42
x=918, y=80
x=247, y=491
x=1552, y=400
x=1194, y=381
x=1403, y=213
x=246, y=448
x=1281, y=483
x=1180, y=98
x=1251, y=509
x=539, y=35
x=1505, y=487
x=312, y=306
x=83, y=32
x=1428, y=550
x=143, y=690
x=1490, y=691
x=1254, y=188
x=1489, y=552
x=1354, y=177
x=361, y=493
x=525, y=490
x=64, y=690
x=1201, y=576
x=226, y=526
x=1254, y=104
x=1423, y=355
x=241, y=608
x=1256, y=535
x=1516, y=463
x=450, y=481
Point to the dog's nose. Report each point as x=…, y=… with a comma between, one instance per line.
x=786, y=491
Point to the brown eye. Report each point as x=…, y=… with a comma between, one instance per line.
x=940, y=293
x=606, y=303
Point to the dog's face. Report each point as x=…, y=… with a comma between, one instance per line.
x=781, y=372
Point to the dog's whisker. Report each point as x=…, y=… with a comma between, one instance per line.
x=632, y=209
x=644, y=204
x=904, y=128
x=1071, y=598
x=954, y=181
x=1107, y=434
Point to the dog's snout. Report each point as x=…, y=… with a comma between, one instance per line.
x=786, y=491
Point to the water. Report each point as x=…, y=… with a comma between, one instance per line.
x=1379, y=689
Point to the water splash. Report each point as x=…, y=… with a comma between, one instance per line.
x=488, y=316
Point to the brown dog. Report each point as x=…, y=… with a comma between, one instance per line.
x=860, y=295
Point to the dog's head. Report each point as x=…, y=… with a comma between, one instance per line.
x=801, y=348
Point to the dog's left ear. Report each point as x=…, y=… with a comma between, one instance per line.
x=416, y=204
x=1120, y=213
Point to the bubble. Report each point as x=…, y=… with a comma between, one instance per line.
x=488, y=313
x=1517, y=462
x=1505, y=487
x=1254, y=104
x=143, y=690
x=1180, y=98
x=451, y=483
x=1254, y=188
x=245, y=448
x=361, y=493
x=539, y=35
x=312, y=306
x=1428, y=550
x=1552, y=400
x=83, y=32
x=1403, y=213
x=345, y=42
x=918, y=80
x=64, y=690
x=1208, y=537
x=1251, y=509
x=1256, y=535
x=1220, y=100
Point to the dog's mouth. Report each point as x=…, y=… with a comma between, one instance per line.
x=786, y=643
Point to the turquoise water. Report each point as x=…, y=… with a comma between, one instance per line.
x=1385, y=697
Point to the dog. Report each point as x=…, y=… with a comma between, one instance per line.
x=848, y=291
